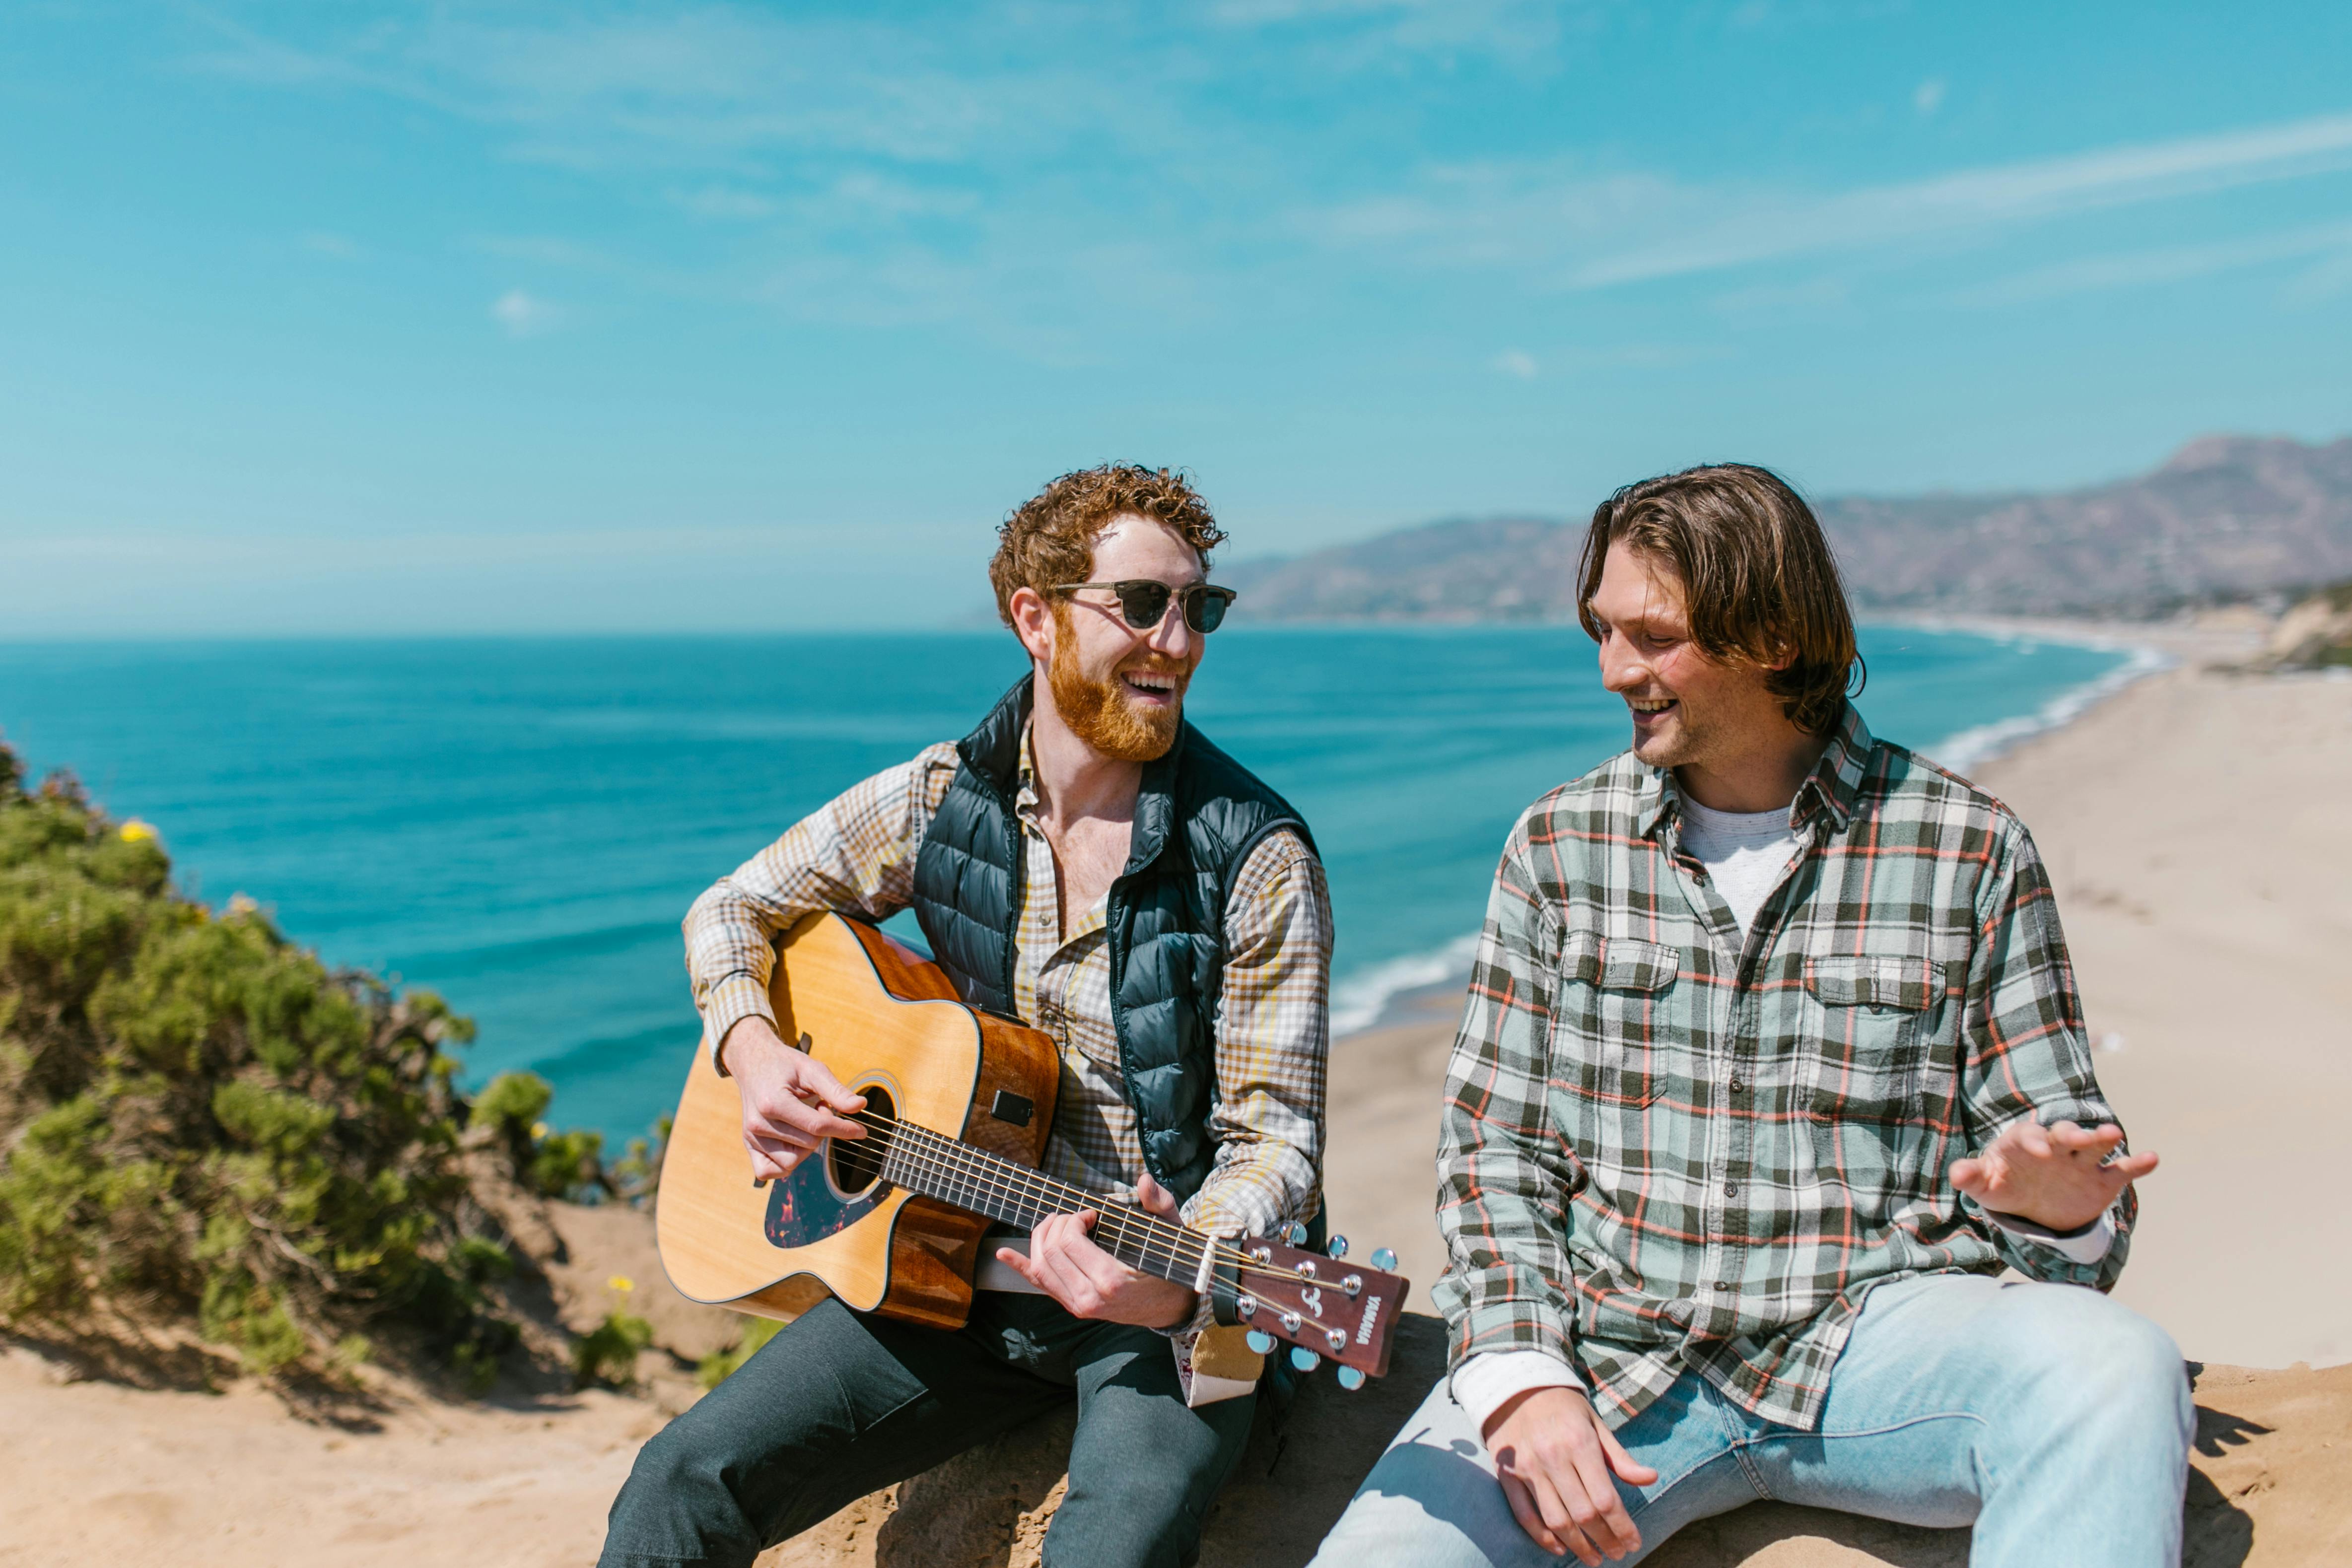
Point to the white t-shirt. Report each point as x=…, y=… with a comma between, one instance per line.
x=1745, y=853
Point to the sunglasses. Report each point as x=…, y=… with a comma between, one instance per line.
x=1144, y=603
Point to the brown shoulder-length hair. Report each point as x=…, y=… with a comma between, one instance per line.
x=1759, y=582
x=1050, y=538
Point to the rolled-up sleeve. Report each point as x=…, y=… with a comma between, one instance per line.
x=1273, y=1045
x=853, y=855
x=1504, y=1176
x=2027, y=1052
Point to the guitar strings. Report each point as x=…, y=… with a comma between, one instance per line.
x=982, y=1173
x=978, y=1168
x=979, y=1173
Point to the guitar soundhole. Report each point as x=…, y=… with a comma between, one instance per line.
x=857, y=1165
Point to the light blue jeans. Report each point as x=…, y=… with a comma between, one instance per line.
x=2053, y=1420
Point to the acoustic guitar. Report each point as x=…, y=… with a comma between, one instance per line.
x=958, y=1105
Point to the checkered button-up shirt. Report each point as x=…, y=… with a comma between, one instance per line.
x=1668, y=1146
x=856, y=855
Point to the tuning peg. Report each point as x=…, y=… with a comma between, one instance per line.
x=1295, y=1234
x=1351, y=1378
x=1384, y=1258
x=1304, y=1359
x=1339, y=1247
x=1261, y=1341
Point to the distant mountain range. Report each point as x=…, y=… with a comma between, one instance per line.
x=2227, y=517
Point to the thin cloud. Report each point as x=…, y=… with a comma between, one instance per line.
x=864, y=172
x=1975, y=198
x=712, y=88
x=525, y=315
x=547, y=250
x=725, y=202
x=1516, y=362
x=1515, y=31
x=2172, y=264
x=1564, y=222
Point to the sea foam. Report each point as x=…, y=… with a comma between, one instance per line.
x=1971, y=749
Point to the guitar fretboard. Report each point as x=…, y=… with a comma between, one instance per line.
x=937, y=1166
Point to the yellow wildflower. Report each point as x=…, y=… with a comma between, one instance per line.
x=538, y=1129
x=622, y=1283
x=135, y=831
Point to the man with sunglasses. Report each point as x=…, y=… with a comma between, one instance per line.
x=1085, y=861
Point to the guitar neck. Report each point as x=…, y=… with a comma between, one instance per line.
x=938, y=1167
x=1319, y=1305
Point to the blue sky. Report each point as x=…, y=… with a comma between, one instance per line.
x=326, y=318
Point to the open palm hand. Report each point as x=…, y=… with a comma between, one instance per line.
x=2061, y=1177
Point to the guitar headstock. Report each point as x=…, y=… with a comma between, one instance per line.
x=1320, y=1304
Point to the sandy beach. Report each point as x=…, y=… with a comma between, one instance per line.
x=2196, y=828
x=2198, y=833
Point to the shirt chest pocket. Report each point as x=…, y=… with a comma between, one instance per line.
x=1611, y=1019
x=1869, y=1028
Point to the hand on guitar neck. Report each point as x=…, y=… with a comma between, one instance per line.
x=1064, y=1263
x=790, y=1098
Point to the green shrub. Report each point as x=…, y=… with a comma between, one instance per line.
x=636, y=1174
x=512, y=1104
x=567, y=1164
x=200, y=1120
x=607, y=1353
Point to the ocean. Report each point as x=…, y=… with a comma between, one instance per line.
x=521, y=824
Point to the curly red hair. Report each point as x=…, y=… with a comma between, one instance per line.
x=1050, y=538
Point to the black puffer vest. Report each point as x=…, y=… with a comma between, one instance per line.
x=1199, y=815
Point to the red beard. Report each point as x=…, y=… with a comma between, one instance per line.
x=1099, y=713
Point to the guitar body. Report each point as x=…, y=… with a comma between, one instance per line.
x=958, y=1106
x=889, y=1026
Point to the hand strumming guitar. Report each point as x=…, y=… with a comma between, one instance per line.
x=1064, y=1263
x=790, y=1098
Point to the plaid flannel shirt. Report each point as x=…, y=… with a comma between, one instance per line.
x=1667, y=1147
x=856, y=855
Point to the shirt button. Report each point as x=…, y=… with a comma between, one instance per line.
x=1724, y=1285
x=1738, y=1087
x=1731, y=1189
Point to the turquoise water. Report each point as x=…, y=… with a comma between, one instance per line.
x=521, y=824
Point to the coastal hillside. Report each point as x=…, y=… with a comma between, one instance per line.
x=221, y=1157
x=2227, y=516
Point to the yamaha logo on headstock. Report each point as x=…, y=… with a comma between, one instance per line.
x=1305, y=1300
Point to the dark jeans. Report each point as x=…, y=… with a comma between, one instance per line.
x=839, y=1404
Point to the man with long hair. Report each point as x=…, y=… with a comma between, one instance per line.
x=1773, y=1063
x=1088, y=862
